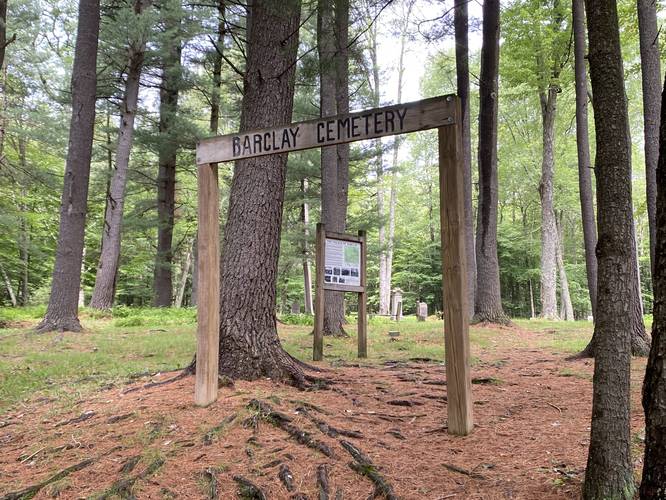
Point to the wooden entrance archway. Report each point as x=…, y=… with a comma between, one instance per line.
x=442, y=113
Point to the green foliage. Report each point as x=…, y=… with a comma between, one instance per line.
x=297, y=319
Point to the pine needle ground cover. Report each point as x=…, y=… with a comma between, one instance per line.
x=81, y=415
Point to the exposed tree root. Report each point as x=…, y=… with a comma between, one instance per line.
x=31, y=491
x=396, y=434
x=119, y=418
x=123, y=487
x=286, y=477
x=326, y=428
x=81, y=418
x=282, y=421
x=322, y=482
x=306, y=365
x=460, y=470
x=309, y=406
x=640, y=346
x=69, y=324
x=208, y=437
x=129, y=464
x=150, y=385
x=248, y=490
x=364, y=466
x=210, y=478
x=491, y=318
x=434, y=382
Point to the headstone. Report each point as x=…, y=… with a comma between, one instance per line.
x=295, y=307
x=396, y=304
x=421, y=311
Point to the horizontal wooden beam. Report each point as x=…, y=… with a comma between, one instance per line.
x=369, y=124
x=342, y=236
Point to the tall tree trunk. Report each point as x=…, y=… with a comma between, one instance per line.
x=548, y=100
x=168, y=148
x=488, y=306
x=8, y=286
x=24, y=228
x=217, y=70
x=249, y=343
x=62, y=311
x=334, y=175
x=651, y=78
x=609, y=471
x=3, y=32
x=532, y=311
x=82, y=292
x=307, y=274
x=583, y=147
x=566, y=311
x=384, y=285
x=214, y=122
x=653, y=484
x=185, y=271
x=461, y=27
x=393, y=196
x=195, y=280
x=107, y=270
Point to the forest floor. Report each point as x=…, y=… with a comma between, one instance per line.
x=71, y=415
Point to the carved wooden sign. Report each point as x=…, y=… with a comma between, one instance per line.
x=369, y=124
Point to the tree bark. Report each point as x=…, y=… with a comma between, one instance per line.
x=62, y=310
x=168, y=148
x=609, y=471
x=549, y=243
x=393, y=196
x=24, y=228
x=217, y=70
x=384, y=286
x=307, y=274
x=566, y=310
x=653, y=484
x=3, y=32
x=583, y=148
x=107, y=270
x=488, y=306
x=651, y=79
x=185, y=271
x=334, y=159
x=249, y=343
x=461, y=28
x=8, y=286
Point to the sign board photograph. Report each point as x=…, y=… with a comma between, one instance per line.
x=342, y=262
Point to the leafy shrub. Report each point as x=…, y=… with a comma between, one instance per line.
x=130, y=321
x=297, y=319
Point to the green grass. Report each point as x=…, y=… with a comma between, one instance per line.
x=70, y=364
x=568, y=337
x=127, y=341
x=416, y=340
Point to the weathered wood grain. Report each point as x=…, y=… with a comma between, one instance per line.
x=378, y=122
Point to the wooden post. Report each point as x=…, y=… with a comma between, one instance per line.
x=363, y=303
x=208, y=269
x=318, y=337
x=454, y=266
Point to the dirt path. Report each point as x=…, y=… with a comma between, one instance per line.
x=531, y=409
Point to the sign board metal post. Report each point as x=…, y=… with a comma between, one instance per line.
x=454, y=269
x=341, y=261
x=208, y=269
